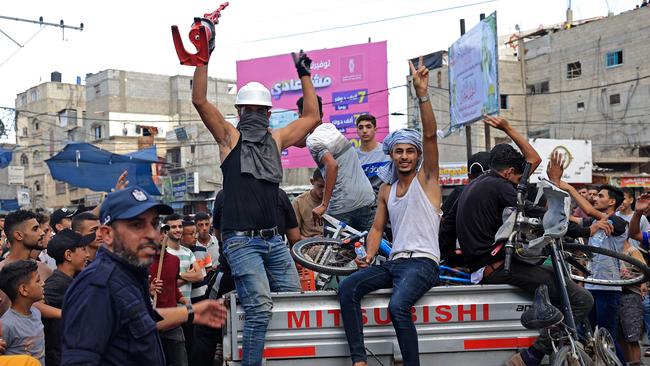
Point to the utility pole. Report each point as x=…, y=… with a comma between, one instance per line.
x=521, y=52
x=486, y=127
x=468, y=128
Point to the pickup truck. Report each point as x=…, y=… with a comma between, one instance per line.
x=457, y=325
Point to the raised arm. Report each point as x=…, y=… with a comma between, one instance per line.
x=296, y=131
x=331, y=172
x=223, y=132
x=554, y=170
x=641, y=207
x=526, y=148
x=430, y=168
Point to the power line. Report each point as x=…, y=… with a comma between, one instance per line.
x=368, y=22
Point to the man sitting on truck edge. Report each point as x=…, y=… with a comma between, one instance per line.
x=411, y=198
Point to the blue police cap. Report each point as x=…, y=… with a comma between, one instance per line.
x=128, y=203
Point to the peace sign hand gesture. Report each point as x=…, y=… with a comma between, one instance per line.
x=420, y=77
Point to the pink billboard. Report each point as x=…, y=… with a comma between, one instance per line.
x=351, y=80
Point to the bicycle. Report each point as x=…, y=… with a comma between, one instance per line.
x=334, y=256
x=569, y=260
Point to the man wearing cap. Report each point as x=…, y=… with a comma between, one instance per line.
x=61, y=219
x=107, y=314
x=252, y=171
x=68, y=249
x=411, y=200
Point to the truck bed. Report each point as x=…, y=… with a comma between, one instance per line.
x=467, y=325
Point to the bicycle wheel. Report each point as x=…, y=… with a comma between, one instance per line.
x=325, y=255
x=564, y=357
x=605, y=348
x=582, y=261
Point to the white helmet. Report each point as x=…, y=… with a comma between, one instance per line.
x=254, y=93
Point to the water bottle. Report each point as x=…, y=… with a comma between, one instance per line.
x=360, y=250
x=598, y=238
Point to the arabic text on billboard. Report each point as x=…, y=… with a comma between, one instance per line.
x=351, y=80
x=473, y=74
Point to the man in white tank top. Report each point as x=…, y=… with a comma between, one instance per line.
x=411, y=199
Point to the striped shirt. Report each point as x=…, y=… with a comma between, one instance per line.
x=186, y=258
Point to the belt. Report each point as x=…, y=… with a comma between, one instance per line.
x=402, y=255
x=493, y=267
x=262, y=233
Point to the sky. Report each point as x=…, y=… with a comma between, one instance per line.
x=135, y=35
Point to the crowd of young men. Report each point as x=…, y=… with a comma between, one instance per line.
x=119, y=289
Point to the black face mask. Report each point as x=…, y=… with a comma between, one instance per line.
x=253, y=126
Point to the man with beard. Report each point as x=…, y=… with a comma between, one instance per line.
x=87, y=223
x=252, y=171
x=68, y=249
x=26, y=235
x=108, y=317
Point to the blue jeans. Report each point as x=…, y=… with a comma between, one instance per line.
x=410, y=280
x=646, y=315
x=604, y=314
x=247, y=256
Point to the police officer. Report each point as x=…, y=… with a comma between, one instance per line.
x=108, y=318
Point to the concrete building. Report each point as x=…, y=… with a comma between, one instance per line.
x=584, y=80
x=133, y=110
x=47, y=117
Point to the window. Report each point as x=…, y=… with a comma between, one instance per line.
x=34, y=95
x=37, y=186
x=232, y=88
x=24, y=160
x=537, y=88
x=504, y=101
x=36, y=156
x=23, y=99
x=614, y=58
x=581, y=106
x=191, y=82
x=59, y=187
x=573, y=70
x=97, y=131
x=35, y=124
x=97, y=89
x=193, y=149
x=615, y=99
x=24, y=131
x=68, y=117
x=174, y=156
x=540, y=134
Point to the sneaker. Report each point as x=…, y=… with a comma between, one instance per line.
x=647, y=352
x=542, y=314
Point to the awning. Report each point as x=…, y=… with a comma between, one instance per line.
x=87, y=166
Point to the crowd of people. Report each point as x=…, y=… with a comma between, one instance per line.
x=133, y=283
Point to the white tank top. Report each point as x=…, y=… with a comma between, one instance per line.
x=414, y=220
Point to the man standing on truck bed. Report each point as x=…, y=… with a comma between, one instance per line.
x=411, y=198
x=252, y=171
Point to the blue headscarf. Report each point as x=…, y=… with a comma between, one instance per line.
x=388, y=173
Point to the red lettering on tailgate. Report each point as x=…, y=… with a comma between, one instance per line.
x=292, y=318
x=425, y=314
x=378, y=318
x=486, y=311
x=364, y=318
x=444, y=313
x=337, y=316
x=462, y=312
x=414, y=316
x=319, y=318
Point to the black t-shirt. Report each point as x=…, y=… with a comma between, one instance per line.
x=479, y=216
x=248, y=200
x=286, y=219
x=54, y=290
x=447, y=234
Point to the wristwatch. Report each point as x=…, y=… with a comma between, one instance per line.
x=423, y=99
x=190, y=313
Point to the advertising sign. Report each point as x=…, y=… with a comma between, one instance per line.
x=632, y=182
x=577, y=157
x=179, y=186
x=16, y=175
x=351, y=80
x=473, y=74
x=453, y=174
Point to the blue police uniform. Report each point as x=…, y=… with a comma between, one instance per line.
x=108, y=318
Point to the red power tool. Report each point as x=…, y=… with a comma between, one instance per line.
x=200, y=36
